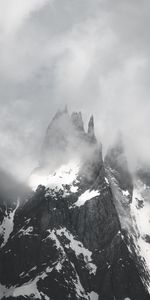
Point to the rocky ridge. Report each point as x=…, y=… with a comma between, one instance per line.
x=74, y=237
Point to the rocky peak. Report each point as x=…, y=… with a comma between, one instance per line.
x=65, y=137
x=91, y=132
x=77, y=121
x=116, y=160
x=66, y=239
x=59, y=113
x=59, y=118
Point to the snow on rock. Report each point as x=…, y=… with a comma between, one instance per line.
x=53, y=236
x=45, y=296
x=73, y=189
x=140, y=211
x=78, y=248
x=125, y=193
x=106, y=180
x=29, y=289
x=87, y=195
x=27, y=231
x=145, y=251
x=121, y=201
x=58, y=267
x=93, y=296
x=80, y=292
x=65, y=175
x=135, y=219
x=7, y=226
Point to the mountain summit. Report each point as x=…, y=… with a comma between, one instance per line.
x=78, y=234
x=66, y=137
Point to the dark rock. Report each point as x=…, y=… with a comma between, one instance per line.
x=68, y=251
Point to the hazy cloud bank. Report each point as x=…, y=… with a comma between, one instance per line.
x=92, y=55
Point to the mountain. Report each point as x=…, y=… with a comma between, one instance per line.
x=82, y=233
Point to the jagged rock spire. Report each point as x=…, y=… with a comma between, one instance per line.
x=91, y=132
x=116, y=160
x=77, y=120
x=60, y=112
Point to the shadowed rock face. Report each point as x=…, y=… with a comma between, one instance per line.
x=131, y=196
x=76, y=119
x=67, y=242
x=117, y=161
x=10, y=191
x=91, y=131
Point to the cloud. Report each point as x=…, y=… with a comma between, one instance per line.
x=14, y=13
x=92, y=55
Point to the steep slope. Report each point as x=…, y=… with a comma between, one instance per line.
x=131, y=199
x=67, y=241
x=10, y=192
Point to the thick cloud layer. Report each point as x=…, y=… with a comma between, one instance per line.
x=92, y=55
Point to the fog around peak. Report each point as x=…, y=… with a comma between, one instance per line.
x=92, y=56
x=67, y=140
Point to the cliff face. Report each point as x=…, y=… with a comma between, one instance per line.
x=131, y=196
x=67, y=240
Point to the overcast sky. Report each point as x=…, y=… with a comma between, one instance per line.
x=93, y=55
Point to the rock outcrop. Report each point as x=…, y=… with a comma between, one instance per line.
x=67, y=240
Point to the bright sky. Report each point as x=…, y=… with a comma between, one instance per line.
x=92, y=55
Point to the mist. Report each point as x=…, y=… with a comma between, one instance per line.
x=91, y=55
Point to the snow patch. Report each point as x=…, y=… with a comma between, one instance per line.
x=125, y=193
x=65, y=175
x=34, y=268
x=53, y=236
x=58, y=245
x=93, y=296
x=73, y=189
x=45, y=296
x=27, y=231
x=87, y=195
x=78, y=248
x=141, y=214
x=58, y=266
x=28, y=289
x=80, y=292
x=7, y=226
x=140, y=211
x=145, y=250
x=135, y=218
x=106, y=180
